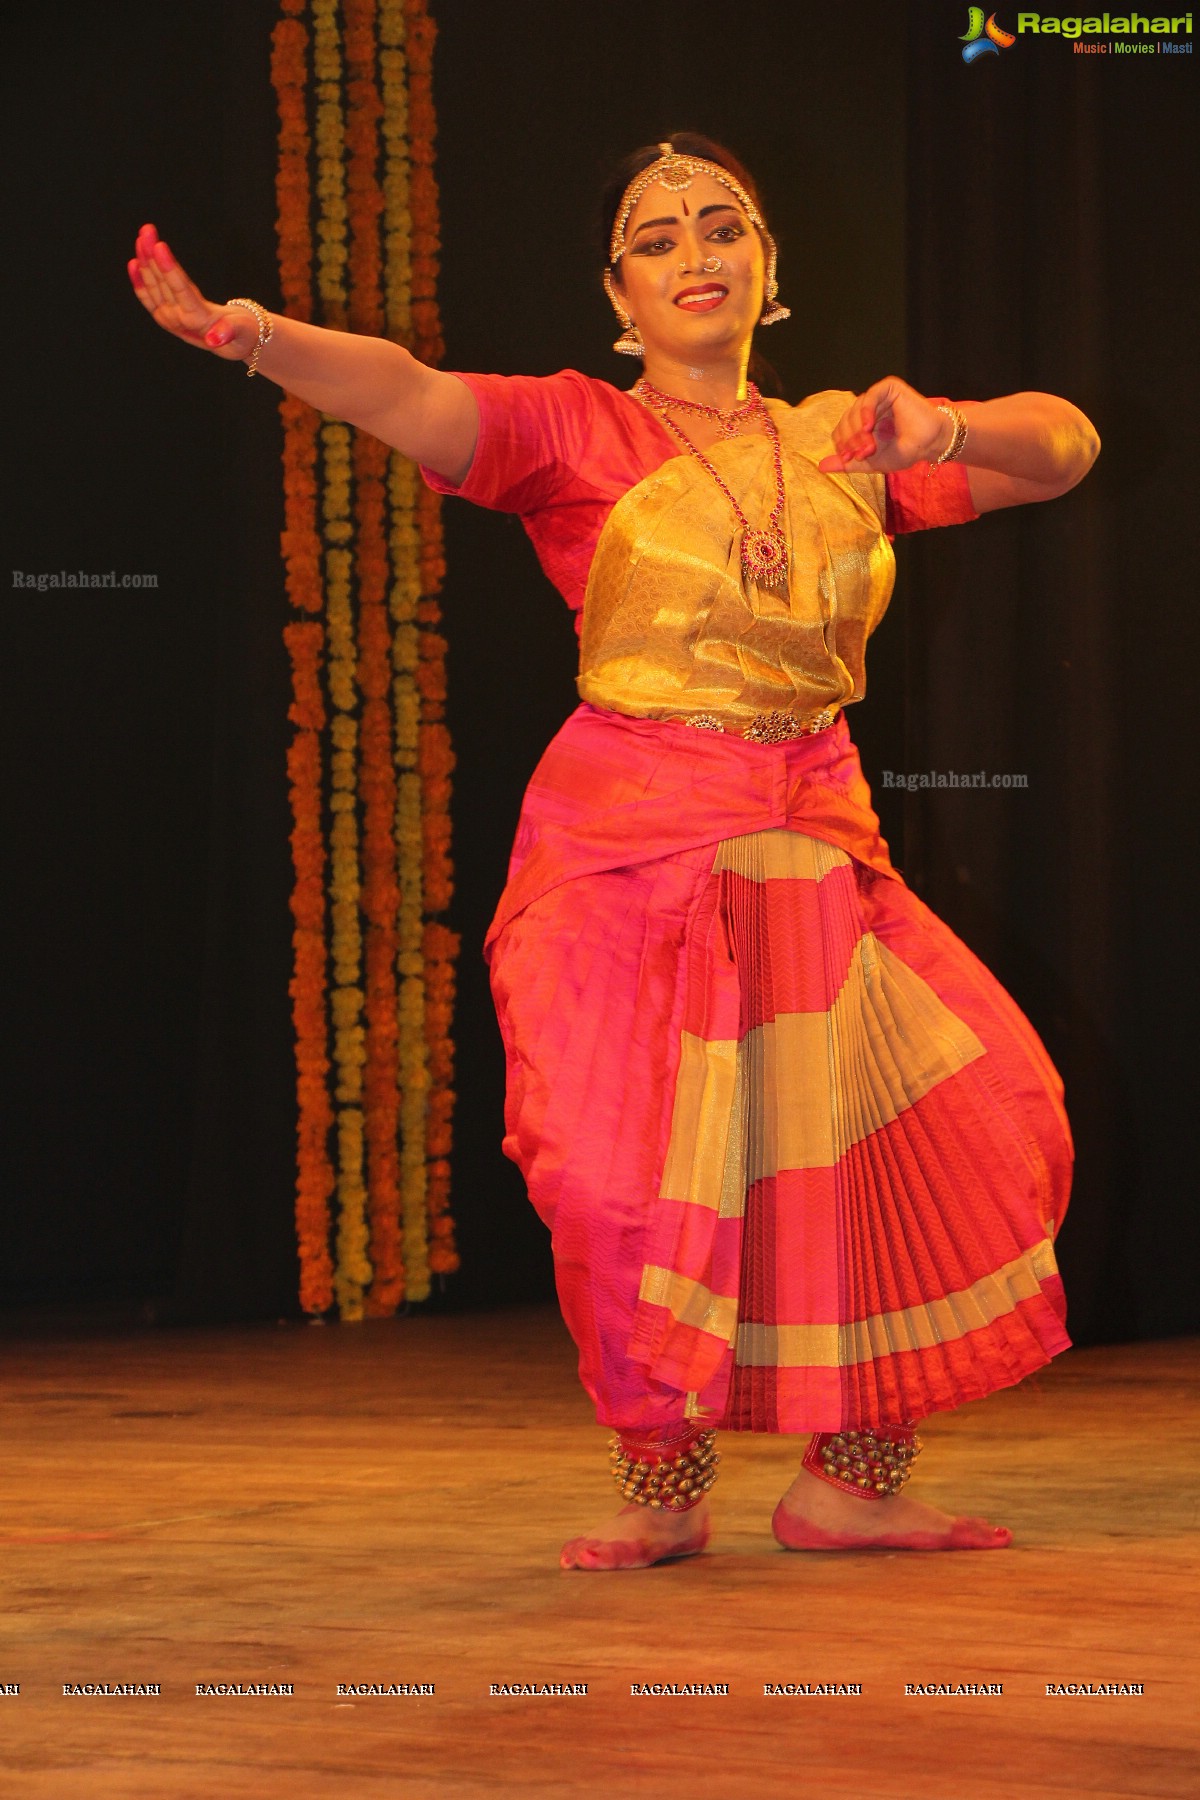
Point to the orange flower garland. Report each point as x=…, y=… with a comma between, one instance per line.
x=370, y=761
x=376, y=784
x=439, y=945
x=305, y=641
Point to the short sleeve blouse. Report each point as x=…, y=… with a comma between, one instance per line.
x=561, y=450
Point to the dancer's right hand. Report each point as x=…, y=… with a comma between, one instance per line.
x=176, y=303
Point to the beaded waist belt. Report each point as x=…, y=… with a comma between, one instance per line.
x=764, y=728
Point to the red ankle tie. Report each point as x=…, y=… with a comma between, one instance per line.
x=670, y=1471
x=874, y=1463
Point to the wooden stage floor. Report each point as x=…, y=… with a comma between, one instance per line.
x=384, y=1503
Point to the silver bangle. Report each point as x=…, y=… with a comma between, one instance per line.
x=266, y=326
x=958, y=437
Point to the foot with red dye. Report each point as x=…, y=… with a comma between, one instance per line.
x=814, y=1515
x=639, y=1536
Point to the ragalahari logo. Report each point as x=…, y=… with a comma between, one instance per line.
x=984, y=38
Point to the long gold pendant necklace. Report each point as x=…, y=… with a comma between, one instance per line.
x=765, y=551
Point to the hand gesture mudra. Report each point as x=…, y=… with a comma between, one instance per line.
x=175, y=302
x=890, y=426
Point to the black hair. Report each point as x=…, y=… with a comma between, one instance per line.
x=687, y=143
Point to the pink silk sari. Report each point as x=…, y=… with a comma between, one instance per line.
x=802, y=1158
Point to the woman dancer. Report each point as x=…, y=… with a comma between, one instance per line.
x=803, y=1160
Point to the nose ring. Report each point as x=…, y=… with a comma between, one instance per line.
x=710, y=266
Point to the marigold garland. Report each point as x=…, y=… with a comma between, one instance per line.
x=305, y=641
x=370, y=761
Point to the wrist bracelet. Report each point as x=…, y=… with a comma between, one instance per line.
x=266, y=326
x=958, y=437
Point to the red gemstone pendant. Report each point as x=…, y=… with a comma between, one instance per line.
x=765, y=557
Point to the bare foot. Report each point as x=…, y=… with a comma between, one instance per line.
x=639, y=1536
x=813, y=1515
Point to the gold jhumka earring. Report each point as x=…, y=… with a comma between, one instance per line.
x=630, y=341
x=772, y=312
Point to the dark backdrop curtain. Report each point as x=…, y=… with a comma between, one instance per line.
x=1047, y=250
x=149, y=1130
x=1021, y=213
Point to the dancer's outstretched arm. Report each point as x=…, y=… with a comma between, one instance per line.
x=367, y=381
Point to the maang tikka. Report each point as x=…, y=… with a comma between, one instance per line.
x=674, y=171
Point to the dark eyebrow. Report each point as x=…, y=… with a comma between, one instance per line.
x=719, y=206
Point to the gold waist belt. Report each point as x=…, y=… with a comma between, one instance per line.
x=764, y=728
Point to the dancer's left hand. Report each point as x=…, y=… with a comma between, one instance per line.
x=890, y=426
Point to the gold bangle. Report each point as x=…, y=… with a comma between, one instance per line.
x=266, y=325
x=958, y=437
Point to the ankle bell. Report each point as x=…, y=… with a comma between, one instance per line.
x=874, y=1462
x=671, y=1474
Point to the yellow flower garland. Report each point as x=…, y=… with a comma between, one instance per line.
x=353, y=82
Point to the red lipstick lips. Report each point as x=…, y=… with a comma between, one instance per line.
x=714, y=289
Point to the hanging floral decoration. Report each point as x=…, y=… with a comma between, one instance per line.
x=370, y=760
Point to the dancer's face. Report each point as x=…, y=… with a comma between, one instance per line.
x=681, y=309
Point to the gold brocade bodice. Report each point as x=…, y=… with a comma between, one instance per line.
x=671, y=628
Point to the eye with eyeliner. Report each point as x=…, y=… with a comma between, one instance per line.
x=659, y=245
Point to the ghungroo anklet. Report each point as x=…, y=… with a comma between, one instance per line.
x=874, y=1463
x=670, y=1475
